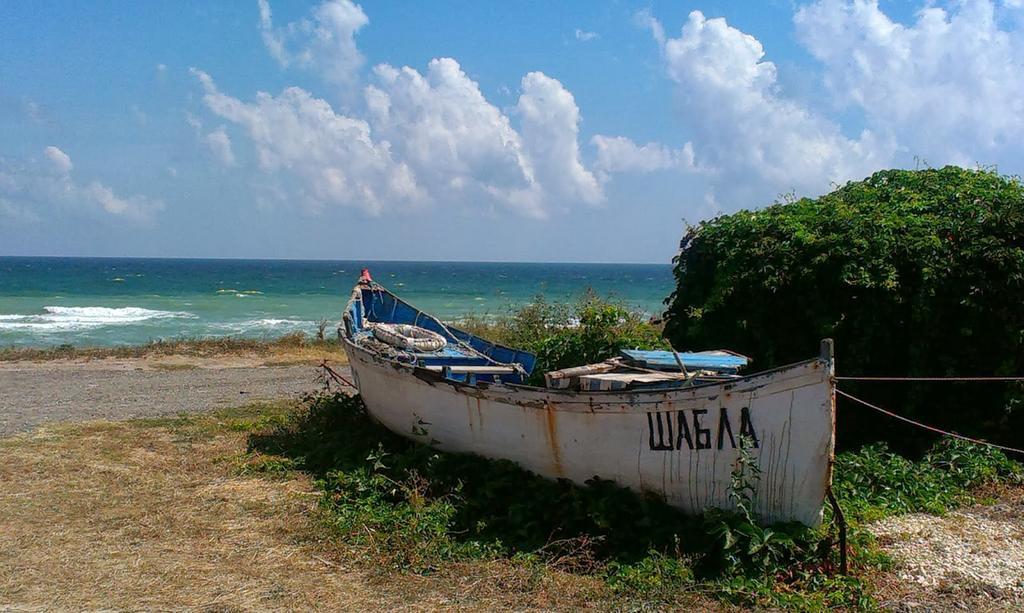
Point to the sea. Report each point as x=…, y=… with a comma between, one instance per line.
x=49, y=301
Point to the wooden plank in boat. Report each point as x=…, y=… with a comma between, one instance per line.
x=570, y=377
x=622, y=380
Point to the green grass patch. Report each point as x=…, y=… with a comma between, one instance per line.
x=255, y=464
x=403, y=507
x=193, y=428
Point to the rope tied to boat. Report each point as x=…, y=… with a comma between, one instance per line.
x=328, y=374
x=926, y=426
x=932, y=379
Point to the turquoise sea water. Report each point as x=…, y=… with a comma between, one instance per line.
x=92, y=301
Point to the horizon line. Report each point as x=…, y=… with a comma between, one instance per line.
x=287, y=259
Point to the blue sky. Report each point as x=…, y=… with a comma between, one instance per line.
x=532, y=131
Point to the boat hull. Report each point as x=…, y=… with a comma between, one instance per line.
x=680, y=444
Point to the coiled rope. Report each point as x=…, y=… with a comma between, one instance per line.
x=447, y=332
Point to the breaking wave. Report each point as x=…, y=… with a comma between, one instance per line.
x=73, y=318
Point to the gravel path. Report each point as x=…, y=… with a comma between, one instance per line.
x=971, y=559
x=34, y=394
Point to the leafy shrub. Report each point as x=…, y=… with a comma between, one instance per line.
x=522, y=325
x=591, y=330
x=742, y=545
x=603, y=330
x=873, y=482
x=912, y=272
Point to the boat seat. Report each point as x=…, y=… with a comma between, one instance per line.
x=451, y=355
x=475, y=370
x=474, y=373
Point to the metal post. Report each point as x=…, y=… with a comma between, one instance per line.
x=828, y=356
x=842, y=530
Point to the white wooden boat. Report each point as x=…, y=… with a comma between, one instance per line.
x=677, y=438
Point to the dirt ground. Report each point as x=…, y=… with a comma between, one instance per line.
x=35, y=393
x=155, y=514
x=121, y=489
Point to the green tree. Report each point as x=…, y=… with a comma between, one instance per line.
x=912, y=272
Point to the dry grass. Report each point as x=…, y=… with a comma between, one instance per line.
x=289, y=349
x=143, y=515
x=155, y=514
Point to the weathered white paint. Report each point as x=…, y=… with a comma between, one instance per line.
x=579, y=435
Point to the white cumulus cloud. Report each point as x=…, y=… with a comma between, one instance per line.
x=324, y=43
x=550, y=127
x=219, y=144
x=415, y=138
x=460, y=145
x=620, y=154
x=59, y=159
x=752, y=142
x=949, y=87
x=465, y=148
x=584, y=36
x=745, y=129
x=425, y=137
x=29, y=189
x=333, y=157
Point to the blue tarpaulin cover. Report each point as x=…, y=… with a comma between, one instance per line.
x=719, y=361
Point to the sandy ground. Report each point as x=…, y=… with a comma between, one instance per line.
x=34, y=393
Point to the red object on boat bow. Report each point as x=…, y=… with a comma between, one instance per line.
x=364, y=277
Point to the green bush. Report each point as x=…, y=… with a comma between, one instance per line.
x=590, y=330
x=911, y=272
x=873, y=482
x=742, y=545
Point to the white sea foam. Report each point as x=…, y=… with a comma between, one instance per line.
x=264, y=325
x=277, y=322
x=75, y=318
x=114, y=315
